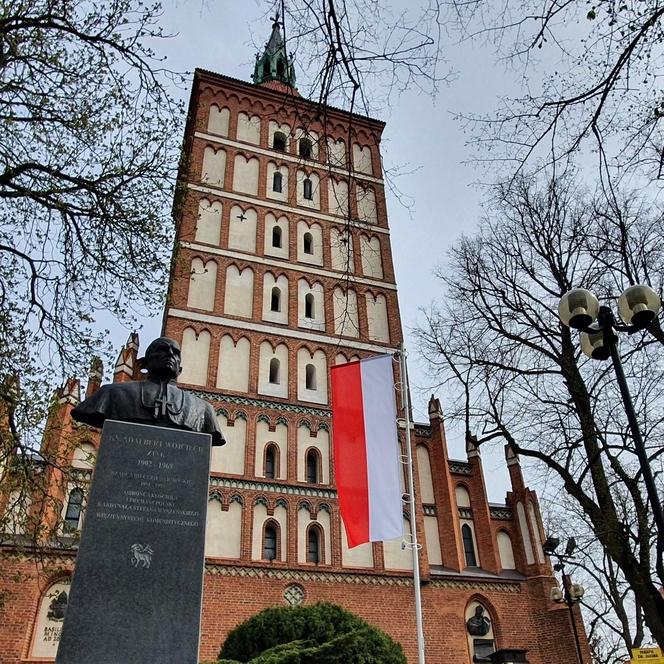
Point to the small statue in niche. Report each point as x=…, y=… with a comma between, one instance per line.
x=156, y=400
x=58, y=607
x=478, y=624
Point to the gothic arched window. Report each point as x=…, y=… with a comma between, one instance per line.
x=276, y=237
x=304, y=148
x=277, y=182
x=274, y=371
x=468, y=545
x=312, y=464
x=308, y=189
x=74, y=508
x=266, y=68
x=308, y=243
x=280, y=67
x=275, y=299
x=279, y=141
x=270, y=462
x=310, y=377
x=309, y=310
x=313, y=545
x=270, y=541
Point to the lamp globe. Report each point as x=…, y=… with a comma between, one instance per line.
x=638, y=305
x=578, y=308
x=594, y=347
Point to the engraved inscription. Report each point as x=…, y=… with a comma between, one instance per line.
x=150, y=493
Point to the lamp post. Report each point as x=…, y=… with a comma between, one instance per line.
x=572, y=592
x=638, y=306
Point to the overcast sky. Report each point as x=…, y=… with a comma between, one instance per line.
x=421, y=137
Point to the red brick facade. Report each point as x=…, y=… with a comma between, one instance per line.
x=513, y=590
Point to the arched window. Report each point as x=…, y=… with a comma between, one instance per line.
x=308, y=190
x=313, y=545
x=304, y=149
x=74, y=508
x=308, y=243
x=276, y=237
x=312, y=463
x=480, y=632
x=468, y=545
x=270, y=542
x=309, y=311
x=274, y=371
x=275, y=299
x=280, y=67
x=277, y=181
x=279, y=141
x=266, y=68
x=270, y=462
x=310, y=376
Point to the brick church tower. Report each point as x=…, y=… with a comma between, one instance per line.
x=283, y=268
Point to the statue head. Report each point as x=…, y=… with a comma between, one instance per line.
x=162, y=359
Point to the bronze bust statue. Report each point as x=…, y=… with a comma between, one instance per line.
x=478, y=624
x=157, y=400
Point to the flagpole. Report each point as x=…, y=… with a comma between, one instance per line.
x=415, y=547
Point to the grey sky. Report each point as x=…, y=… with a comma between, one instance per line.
x=421, y=137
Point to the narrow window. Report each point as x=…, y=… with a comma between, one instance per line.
x=74, y=507
x=276, y=237
x=270, y=543
x=308, y=191
x=280, y=67
x=304, y=148
x=313, y=545
x=468, y=546
x=309, y=306
x=270, y=462
x=266, y=68
x=277, y=180
x=310, y=377
x=312, y=466
x=275, y=299
x=308, y=243
x=279, y=141
x=274, y=371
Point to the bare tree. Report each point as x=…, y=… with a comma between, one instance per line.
x=518, y=373
x=88, y=138
x=590, y=72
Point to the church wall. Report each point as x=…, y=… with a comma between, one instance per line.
x=232, y=369
x=235, y=593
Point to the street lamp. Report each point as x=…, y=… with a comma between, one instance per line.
x=572, y=592
x=638, y=306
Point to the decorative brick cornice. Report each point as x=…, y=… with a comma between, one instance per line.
x=273, y=487
x=352, y=578
x=459, y=467
x=485, y=586
x=502, y=513
x=304, y=575
x=260, y=403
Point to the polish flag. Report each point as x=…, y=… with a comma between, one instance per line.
x=366, y=450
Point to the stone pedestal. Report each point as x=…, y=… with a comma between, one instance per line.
x=138, y=582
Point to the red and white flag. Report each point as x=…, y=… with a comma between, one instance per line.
x=366, y=450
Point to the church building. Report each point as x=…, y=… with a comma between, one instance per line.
x=282, y=269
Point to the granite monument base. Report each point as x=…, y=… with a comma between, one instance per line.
x=138, y=582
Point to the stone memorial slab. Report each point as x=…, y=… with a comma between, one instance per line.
x=138, y=582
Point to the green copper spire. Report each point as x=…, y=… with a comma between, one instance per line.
x=274, y=64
